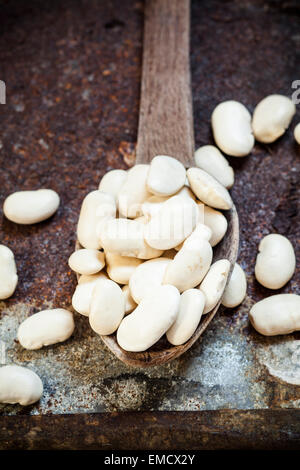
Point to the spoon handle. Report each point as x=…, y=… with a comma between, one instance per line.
x=166, y=114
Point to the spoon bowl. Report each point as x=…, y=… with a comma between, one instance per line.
x=163, y=351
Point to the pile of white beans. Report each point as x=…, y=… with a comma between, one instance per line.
x=147, y=236
x=145, y=264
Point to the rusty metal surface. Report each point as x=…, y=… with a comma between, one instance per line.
x=72, y=71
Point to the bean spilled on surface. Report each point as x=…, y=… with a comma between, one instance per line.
x=45, y=328
x=8, y=273
x=30, y=207
x=19, y=385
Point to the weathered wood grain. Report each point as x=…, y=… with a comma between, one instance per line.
x=205, y=430
x=166, y=116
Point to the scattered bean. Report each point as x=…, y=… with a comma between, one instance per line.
x=297, y=133
x=45, y=328
x=276, y=315
x=8, y=273
x=275, y=262
x=30, y=207
x=231, y=125
x=19, y=385
x=271, y=117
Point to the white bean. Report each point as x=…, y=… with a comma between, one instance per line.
x=150, y=320
x=174, y=222
x=147, y=277
x=147, y=252
x=134, y=192
x=201, y=230
x=271, y=117
x=97, y=207
x=125, y=237
x=191, y=307
x=82, y=296
x=276, y=315
x=130, y=304
x=231, y=125
x=191, y=263
x=186, y=192
x=19, y=385
x=208, y=189
x=30, y=207
x=297, y=133
x=45, y=328
x=217, y=222
x=214, y=283
x=275, y=262
x=210, y=159
x=120, y=268
x=87, y=261
x=236, y=288
x=152, y=205
x=8, y=273
x=199, y=223
x=112, y=182
x=166, y=176
x=107, y=307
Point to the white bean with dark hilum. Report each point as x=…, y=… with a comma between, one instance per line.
x=147, y=236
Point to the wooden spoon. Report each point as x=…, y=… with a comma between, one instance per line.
x=166, y=128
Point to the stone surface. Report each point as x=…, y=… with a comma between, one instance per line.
x=72, y=72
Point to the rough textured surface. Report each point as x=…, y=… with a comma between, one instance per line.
x=72, y=72
x=223, y=429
